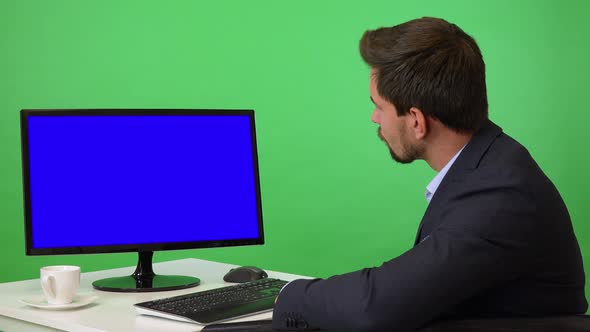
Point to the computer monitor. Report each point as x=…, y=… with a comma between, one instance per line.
x=129, y=180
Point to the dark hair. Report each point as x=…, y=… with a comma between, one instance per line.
x=430, y=64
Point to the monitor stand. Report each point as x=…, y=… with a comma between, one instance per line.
x=144, y=279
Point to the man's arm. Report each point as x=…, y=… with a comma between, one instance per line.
x=485, y=243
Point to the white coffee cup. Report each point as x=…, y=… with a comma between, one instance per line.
x=60, y=283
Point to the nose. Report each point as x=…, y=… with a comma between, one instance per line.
x=375, y=117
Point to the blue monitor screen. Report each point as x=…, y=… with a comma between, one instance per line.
x=139, y=179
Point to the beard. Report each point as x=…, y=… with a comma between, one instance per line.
x=409, y=152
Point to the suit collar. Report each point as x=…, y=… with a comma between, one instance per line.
x=477, y=146
x=468, y=160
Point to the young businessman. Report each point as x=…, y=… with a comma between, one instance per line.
x=496, y=238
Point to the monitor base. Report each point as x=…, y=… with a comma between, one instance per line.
x=144, y=279
x=157, y=283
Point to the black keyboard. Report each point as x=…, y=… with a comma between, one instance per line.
x=217, y=304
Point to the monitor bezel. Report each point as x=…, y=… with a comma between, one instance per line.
x=31, y=251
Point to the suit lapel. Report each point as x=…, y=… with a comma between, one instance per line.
x=467, y=161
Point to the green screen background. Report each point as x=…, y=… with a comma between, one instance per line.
x=333, y=200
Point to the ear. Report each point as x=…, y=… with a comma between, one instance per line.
x=418, y=123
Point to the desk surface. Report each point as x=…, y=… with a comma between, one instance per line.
x=113, y=311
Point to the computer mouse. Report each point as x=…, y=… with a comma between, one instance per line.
x=244, y=274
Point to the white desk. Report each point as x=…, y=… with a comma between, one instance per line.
x=112, y=311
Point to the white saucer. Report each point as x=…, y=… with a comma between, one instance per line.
x=41, y=303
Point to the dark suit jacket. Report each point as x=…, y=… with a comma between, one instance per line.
x=496, y=240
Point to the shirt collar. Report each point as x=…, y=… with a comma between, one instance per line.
x=433, y=185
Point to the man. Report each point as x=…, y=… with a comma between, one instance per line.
x=496, y=238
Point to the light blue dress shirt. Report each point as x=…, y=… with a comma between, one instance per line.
x=433, y=185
